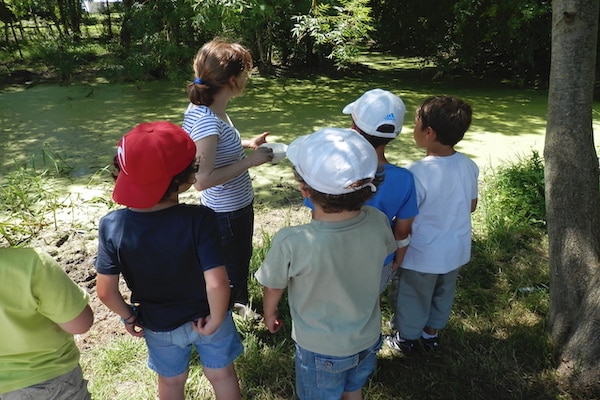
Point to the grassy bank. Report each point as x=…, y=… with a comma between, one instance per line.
x=495, y=346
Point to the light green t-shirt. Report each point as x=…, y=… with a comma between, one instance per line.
x=35, y=295
x=332, y=271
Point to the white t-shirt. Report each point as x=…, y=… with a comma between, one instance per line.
x=441, y=232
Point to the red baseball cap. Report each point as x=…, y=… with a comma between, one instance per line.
x=149, y=156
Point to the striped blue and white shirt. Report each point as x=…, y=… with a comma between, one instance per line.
x=200, y=122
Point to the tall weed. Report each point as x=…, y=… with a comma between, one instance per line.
x=30, y=199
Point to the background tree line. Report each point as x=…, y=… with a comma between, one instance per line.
x=156, y=38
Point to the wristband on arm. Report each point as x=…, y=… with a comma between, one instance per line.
x=134, y=315
x=404, y=242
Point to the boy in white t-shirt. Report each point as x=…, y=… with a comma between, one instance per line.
x=331, y=266
x=446, y=183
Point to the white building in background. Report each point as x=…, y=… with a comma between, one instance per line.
x=96, y=6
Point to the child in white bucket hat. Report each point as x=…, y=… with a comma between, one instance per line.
x=378, y=116
x=331, y=266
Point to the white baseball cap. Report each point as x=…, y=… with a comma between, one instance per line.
x=375, y=108
x=334, y=160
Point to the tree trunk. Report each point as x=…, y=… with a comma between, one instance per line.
x=573, y=195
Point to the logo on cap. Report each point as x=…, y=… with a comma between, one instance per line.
x=121, y=157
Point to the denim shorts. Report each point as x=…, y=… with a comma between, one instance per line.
x=322, y=377
x=169, y=352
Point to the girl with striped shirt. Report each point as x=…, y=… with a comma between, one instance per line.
x=221, y=73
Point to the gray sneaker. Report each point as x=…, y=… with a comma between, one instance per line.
x=395, y=342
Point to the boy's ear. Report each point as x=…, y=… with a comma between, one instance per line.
x=304, y=189
x=430, y=134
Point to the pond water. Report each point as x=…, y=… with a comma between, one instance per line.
x=82, y=123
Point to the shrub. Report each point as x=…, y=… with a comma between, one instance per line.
x=513, y=200
x=63, y=56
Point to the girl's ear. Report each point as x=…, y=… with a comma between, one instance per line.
x=234, y=83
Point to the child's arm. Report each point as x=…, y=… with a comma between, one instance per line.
x=107, y=288
x=80, y=324
x=209, y=176
x=271, y=298
x=402, y=230
x=218, y=292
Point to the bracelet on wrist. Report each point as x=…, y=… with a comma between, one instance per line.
x=404, y=242
x=134, y=315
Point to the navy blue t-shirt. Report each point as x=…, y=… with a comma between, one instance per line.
x=162, y=256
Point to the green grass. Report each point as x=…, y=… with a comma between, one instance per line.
x=496, y=344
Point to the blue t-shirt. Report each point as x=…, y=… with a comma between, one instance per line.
x=162, y=256
x=395, y=197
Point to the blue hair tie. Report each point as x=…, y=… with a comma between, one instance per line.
x=198, y=81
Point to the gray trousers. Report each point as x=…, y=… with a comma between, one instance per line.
x=69, y=386
x=421, y=300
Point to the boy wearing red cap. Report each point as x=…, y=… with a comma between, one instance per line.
x=170, y=257
x=331, y=267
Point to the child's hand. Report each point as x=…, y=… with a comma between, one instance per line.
x=273, y=323
x=206, y=326
x=257, y=141
x=135, y=329
x=261, y=155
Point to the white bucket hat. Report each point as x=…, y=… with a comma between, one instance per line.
x=334, y=160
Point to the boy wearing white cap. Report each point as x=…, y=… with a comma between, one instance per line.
x=170, y=257
x=378, y=116
x=331, y=266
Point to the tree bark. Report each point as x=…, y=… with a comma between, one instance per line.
x=573, y=195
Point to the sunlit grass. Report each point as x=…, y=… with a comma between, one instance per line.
x=118, y=371
x=496, y=345
x=84, y=122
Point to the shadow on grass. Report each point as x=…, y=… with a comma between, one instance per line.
x=472, y=365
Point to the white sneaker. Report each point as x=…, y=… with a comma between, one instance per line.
x=246, y=312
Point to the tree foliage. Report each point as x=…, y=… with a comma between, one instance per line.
x=335, y=32
x=485, y=38
x=506, y=39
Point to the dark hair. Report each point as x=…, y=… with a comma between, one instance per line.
x=449, y=117
x=178, y=180
x=335, y=203
x=215, y=63
x=376, y=141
